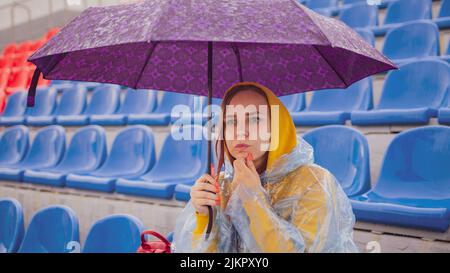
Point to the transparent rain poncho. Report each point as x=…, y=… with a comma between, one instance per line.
x=299, y=208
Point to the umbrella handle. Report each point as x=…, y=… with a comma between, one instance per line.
x=33, y=86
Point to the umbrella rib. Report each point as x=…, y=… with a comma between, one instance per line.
x=332, y=67
x=149, y=55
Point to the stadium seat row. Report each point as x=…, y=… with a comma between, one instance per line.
x=360, y=13
x=414, y=94
x=414, y=176
x=55, y=229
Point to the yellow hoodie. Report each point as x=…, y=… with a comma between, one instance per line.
x=303, y=210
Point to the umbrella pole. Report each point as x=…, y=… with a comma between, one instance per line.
x=210, y=75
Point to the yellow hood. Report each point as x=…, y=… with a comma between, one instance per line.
x=283, y=134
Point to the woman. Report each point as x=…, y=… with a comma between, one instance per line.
x=270, y=198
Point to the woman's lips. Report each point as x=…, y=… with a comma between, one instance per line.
x=241, y=146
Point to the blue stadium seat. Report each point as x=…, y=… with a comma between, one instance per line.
x=114, y=234
x=72, y=102
x=180, y=162
x=162, y=115
x=334, y=106
x=14, y=112
x=14, y=143
x=136, y=102
x=445, y=57
x=51, y=230
x=182, y=192
x=170, y=236
x=443, y=19
x=86, y=152
x=360, y=16
x=197, y=117
x=61, y=85
x=411, y=95
x=105, y=100
x=324, y=7
x=11, y=225
x=413, y=187
x=294, y=103
x=444, y=112
x=44, y=107
x=46, y=151
x=411, y=41
x=45, y=104
x=367, y=35
x=132, y=154
x=402, y=11
x=344, y=151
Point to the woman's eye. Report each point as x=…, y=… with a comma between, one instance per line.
x=230, y=122
x=255, y=119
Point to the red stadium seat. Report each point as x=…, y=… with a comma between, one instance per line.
x=4, y=75
x=6, y=61
x=10, y=49
x=18, y=79
x=2, y=101
x=20, y=60
x=24, y=47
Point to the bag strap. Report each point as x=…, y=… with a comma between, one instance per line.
x=156, y=234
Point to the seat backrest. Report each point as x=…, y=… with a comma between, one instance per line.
x=407, y=10
x=361, y=15
x=105, y=100
x=18, y=77
x=139, y=101
x=358, y=96
x=344, y=152
x=171, y=99
x=87, y=149
x=16, y=105
x=72, y=102
x=367, y=35
x=415, y=165
x=11, y=225
x=114, y=234
x=47, y=149
x=133, y=151
x=184, y=152
x=414, y=39
x=14, y=143
x=416, y=84
x=294, y=103
x=51, y=230
x=45, y=102
x=315, y=4
x=445, y=9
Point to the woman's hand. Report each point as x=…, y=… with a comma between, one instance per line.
x=245, y=173
x=200, y=196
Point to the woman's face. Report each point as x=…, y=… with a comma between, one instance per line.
x=247, y=125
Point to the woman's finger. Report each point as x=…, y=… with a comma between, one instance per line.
x=204, y=195
x=206, y=187
x=205, y=202
x=206, y=178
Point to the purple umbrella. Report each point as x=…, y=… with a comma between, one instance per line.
x=204, y=46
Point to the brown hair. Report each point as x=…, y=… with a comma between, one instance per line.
x=220, y=143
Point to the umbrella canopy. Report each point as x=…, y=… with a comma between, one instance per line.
x=163, y=45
